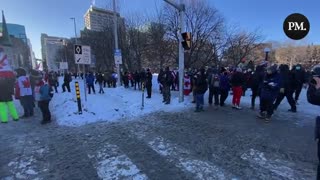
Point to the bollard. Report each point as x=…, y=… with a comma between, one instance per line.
x=142, y=106
x=78, y=97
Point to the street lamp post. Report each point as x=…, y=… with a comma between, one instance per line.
x=181, y=8
x=267, y=50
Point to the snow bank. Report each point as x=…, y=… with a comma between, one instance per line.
x=119, y=103
x=115, y=104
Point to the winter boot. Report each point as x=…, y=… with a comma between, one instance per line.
x=262, y=115
x=292, y=110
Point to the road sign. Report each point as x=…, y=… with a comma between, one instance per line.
x=117, y=56
x=63, y=65
x=82, y=54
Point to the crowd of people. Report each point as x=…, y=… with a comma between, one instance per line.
x=271, y=83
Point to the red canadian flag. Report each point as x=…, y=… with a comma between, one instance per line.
x=5, y=69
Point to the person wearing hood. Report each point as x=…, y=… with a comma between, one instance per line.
x=269, y=92
x=286, y=87
x=237, y=81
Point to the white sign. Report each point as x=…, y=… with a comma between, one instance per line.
x=117, y=56
x=64, y=65
x=82, y=54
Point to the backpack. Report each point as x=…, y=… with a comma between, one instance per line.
x=215, y=80
x=313, y=95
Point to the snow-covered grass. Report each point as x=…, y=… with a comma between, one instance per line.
x=115, y=104
x=120, y=103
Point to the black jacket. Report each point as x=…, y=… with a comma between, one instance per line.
x=148, y=79
x=237, y=79
x=201, y=84
x=67, y=78
x=7, y=89
x=100, y=78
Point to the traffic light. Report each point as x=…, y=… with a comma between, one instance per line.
x=186, y=43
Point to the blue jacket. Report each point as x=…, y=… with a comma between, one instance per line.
x=270, y=87
x=45, y=92
x=90, y=79
x=224, y=83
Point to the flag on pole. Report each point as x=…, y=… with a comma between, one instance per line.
x=5, y=38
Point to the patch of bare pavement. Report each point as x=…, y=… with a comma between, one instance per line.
x=215, y=144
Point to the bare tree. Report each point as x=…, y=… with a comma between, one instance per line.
x=205, y=24
x=241, y=43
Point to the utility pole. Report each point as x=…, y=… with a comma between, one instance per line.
x=84, y=68
x=181, y=8
x=116, y=45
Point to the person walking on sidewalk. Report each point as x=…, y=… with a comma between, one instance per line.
x=237, y=82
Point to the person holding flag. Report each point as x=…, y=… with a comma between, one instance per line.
x=7, y=81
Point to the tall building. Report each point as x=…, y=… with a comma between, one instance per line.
x=96, y=19
x=17, y=31
x=50, y=47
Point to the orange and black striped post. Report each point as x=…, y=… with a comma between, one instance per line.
x=78, y=97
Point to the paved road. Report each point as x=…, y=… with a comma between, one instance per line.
x=216, y=144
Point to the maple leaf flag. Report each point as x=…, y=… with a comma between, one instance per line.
x=5, y=69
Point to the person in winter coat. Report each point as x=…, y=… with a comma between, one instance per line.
x=125, y=79
x=137, y=80
x=300, y=77
x=161, y=73
x=53, y=81
x=286, y=87
x=24, y=93
x=224, y=87
x=255, y=83
x=66, y=82
x=214, y=86
x=201, y=88
x=7, y=81
x=90, y=83
x=269, y=92
x=130, y=78
x=237, y=82
x=313, y=97
x=148, y=83
x=100, y=80
x=43, y=95
x=166, y=80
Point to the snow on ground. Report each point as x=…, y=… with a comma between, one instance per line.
x=120, y=103
x=115, y=104
x=183, y=159
x=111, y=165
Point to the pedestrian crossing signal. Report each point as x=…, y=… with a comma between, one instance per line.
x=186, y=43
